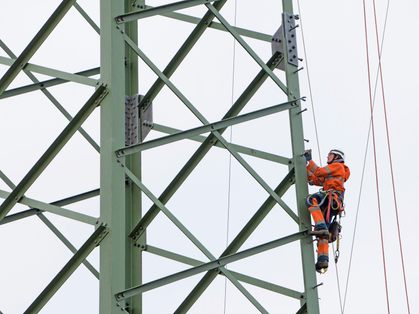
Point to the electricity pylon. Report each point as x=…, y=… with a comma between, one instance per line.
x=128, y=130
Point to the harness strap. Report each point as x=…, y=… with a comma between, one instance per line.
x=328, y=207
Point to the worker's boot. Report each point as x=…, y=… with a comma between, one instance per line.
x=322, y=265
x=321, y=232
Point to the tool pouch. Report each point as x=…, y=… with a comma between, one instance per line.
x=334, y=230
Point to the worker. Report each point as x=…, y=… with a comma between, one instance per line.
x=328, y=202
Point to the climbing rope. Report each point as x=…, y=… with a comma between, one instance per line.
x=364, y=163
x=389, y=153
x=317, y=136
x=375, y=161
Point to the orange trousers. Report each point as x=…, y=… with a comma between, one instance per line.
x=319, y=222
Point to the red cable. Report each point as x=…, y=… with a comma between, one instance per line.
x=375, y=157
x=389, y=154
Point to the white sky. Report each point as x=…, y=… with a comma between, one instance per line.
x=30, y=255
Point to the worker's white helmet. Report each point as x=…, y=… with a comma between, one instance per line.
x=338, y=152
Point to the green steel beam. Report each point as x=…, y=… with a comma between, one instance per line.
x=235, y=245
x=240, y=149
x=87, y=17
x=69, y=118
x=67, y=270
x=303, y=309
x=257, y=177
x=67, y=243
x=52, y=151
x=169, y=215
x=77, y=198
x=196, y=292
x=20, y=63
x=217, y=26
x=247, y=47
x=51, y=208
x=20, y=215
x=180, y=55
x=213, y=265
x=114, y=254
x=41, y=85
x=62, y=75
x=268, y=286
x=258, y=217
x=173, y=256
x=205, y=147
x=301, y=189
x=243, y=278
x=210, y=127
x=160, y=10
x=64, y=202
x=7, y=180
x=133, y=195
x=169, y=84
x=242, y=289
x=35, y=211
x=67, y=77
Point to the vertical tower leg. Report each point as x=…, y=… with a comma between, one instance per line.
x=297, y=138
x=112, y=177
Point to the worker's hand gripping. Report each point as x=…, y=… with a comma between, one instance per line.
x=307, y=155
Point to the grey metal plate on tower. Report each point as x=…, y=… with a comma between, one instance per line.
x=131, y=120
x=278, y=45
x=133, y=117
x=288, y=20
x=146, y=117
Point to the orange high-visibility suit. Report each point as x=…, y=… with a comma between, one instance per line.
x=331, y=177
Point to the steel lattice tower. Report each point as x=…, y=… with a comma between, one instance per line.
x=129, y=206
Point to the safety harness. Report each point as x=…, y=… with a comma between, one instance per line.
x=335, y=202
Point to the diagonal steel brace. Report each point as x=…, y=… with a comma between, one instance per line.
x=52, y=151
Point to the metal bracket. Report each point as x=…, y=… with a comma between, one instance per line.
x=133, y=117
x=288, y=21
x=146, y=118
x=286, y=32
x=278, y=45
x=102, y=235
x=102, y=96
x=131, y=121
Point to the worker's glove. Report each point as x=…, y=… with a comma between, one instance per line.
x=307, y=155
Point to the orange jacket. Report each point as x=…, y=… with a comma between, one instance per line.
x=330, y=177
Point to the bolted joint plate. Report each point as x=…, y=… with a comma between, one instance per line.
x=101, y=96
x=138, y=121
x=146, y=117
x=286, y=34
x=103, y=233
x=278, y=45
x=131, y=121
x=290, y=34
